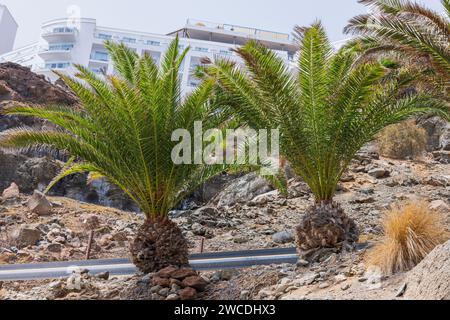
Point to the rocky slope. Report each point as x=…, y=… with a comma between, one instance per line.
x=34, y=170
x=251, y=219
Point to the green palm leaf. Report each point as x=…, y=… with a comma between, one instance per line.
x=326, y=110
x=123, y=131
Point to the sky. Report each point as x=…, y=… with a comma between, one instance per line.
x=164, y=16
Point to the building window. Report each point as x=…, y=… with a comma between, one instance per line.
x=100, y=71
x=60, y=47
x=201, y=49
x=226, y=52
x=57, y=65
x=100, y=56
x=153, y=43
x=193, y=81
x=104, y=36
x=128, y=40
x=63, y=30
x=156, y=56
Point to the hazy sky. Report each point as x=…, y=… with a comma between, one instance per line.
x=163, y=16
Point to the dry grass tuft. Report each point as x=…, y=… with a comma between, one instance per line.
x=411, y=231
x=402, y=141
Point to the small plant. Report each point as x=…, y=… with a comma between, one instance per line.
x=411, y=231
x=403, y=140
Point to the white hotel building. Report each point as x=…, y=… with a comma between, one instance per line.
x=65, y=42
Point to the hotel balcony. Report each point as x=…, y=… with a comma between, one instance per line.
x=56, y=54
x=60, y=34
x=236, y=35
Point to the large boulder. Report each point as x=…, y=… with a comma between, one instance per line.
x=430, y=279
x=18, y=83
x=11, y=192
x=39, y=204
x=26, y=235
x=242, y=190
x=438, y=131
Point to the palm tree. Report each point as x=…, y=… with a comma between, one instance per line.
x=326, y=111
x=123, y=132
x=411, y=29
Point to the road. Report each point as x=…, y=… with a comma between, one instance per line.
x=123, y=267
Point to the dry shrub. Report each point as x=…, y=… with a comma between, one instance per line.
x=402, y=141
x=411, y=231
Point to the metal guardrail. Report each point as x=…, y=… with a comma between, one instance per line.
x=121, y=267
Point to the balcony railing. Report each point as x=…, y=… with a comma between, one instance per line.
x=59, y=31
x=251, y=32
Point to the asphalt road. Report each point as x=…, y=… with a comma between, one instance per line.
x=122, y=267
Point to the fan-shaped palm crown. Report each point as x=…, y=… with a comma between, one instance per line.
x=407, y=27
x=326, y=110
x=124, y=129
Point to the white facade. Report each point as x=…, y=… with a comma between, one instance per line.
x=8, y=30
x=64, y=42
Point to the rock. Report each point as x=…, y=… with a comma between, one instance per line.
x=438, y=131
x=244, y=295
x=173, y=297
x=429, y=280
x=175, y=288
x=120, y=236
x=308, y=279
x=195, y=282
x=302, y=263
x=188, y=294
x=363, y=199
x=103, y=275
x=224, y=275
x=74, y=282
x=340, y=278
x=283, y=237
x=155, y=289
x=378, y=173
x=345, y=286
x=182, y=273
x=439, y=205
x=90, y=221
x=6, y=257
x=20, y=84
x=213, y=186
x=240, y=239
x=166, y=272
x=164, y=292
x=162, y=282
x=11, y=192
x=347, y=178
x=263, y=199
x=26, y=236
x=105, y=240
x=175, y=282
x=324, y=285
x=401, y=290
x=241, y=190
x=60, y=239
x=54, y=248
x=198, y=229
x=39, y=204
x=437, y=181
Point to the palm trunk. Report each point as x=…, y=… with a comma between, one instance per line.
x=159, y=243
x=325, y=225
